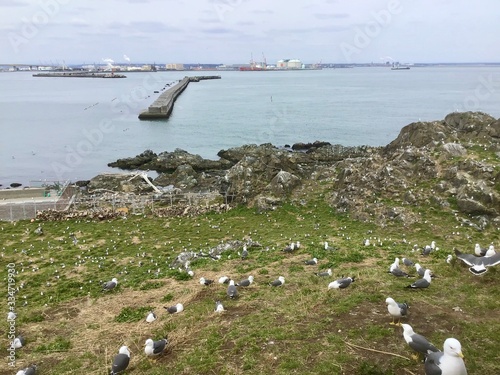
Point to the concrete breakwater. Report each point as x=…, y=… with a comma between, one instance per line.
x=162, y=107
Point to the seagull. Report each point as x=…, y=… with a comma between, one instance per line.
x=232, y=292
x=151, y=317
x=290, y=248
x=408, y=262
x=394, y=264
x=206, y=282
x=449, y=258
x=478, y=265
x=398, y=272
x=396, y=309
x=311, y=262
x=422, y=283
x=175, y=309
x=420, y=270
x=280, y=281
x=218, y=306
x=328, y=272
x=154, y=348
x=246, y=282
x=327, y=247
x=19, y=342
x=244, y=253
x=417, y=342
x=426, y=250
x=224, y=280
x=341, y=283
x=110, y=284
x=450, y=361
x=121, y=361
x=30, y=370
x=480, y=251
x=38, y=231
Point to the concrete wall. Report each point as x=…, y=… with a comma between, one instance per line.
x=22, y=193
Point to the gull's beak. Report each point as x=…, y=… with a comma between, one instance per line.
x=460, y=354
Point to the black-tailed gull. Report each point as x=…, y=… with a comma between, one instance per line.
x=398, y=272
x=328, y=272
x=244, y=253
x=154, y=348
x=408, y=262
x=423, y=282
x=246, y=282
x=121, y=361
x=280, y=281
x=151, y=317
x=448, y=362
x=417, y=342
x=110, y=284
x=175, y=309
x=480, y=251
x=232, y=291
x=311, y=262
x=396, y=309
x=219, y=307
x=30, y=370
x=478, y=265
x=341, y=283
x=19, y=342
x=206, y=282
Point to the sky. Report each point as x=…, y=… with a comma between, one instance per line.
x=235, y=31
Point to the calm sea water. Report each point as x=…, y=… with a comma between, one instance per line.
x=58, y=129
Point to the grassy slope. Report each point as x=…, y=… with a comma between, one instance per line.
x=301, y=327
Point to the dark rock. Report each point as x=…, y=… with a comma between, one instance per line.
x=15, y=184
x=125, y=183
x=144, y=161
x=170, y=161
x=307, y=146
x=82, y=183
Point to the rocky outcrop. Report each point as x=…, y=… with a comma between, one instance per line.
x=450, y=164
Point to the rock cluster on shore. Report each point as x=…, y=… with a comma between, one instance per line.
x=451, y=162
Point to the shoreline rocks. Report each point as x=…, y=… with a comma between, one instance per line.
x=429, y=162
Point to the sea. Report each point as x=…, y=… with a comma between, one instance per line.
x=69, y=129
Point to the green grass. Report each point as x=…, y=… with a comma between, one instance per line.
x=301, y=327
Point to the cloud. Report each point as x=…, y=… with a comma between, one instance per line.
x=15, y=3
x=218, y=30
x=331, y=16
x=147, y=27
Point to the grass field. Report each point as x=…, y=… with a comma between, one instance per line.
x=73, y=327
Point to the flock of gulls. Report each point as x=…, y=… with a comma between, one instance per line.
x=449, y=361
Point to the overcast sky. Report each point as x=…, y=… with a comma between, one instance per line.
x=231, y=31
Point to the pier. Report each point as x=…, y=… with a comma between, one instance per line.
x=163, y=105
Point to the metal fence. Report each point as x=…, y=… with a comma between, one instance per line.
x=72, y=200
x=139, y=204
x=27, y=208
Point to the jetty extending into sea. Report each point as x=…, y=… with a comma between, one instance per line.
x=163, y=105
